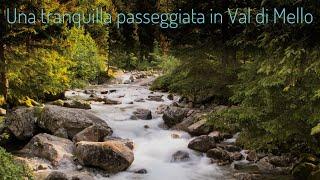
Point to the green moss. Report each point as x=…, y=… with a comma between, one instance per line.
x=58, y=102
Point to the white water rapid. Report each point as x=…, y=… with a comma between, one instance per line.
x=153, y=146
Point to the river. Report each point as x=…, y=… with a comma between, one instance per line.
x=155, y=145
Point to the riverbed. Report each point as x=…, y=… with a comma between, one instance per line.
x=154, y=144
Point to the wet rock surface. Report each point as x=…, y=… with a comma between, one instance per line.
x=143, y=114
x=111, y=156
x=49, y=147
x=94, y=133
x=72, y=120
x=202, y=143
x=200, y=128
x=21, y=123
x=180, y=156
x=174, y=115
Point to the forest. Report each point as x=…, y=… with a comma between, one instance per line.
x=263, y=78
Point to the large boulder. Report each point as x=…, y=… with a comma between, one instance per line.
x=111, y=156
x=93, y=133
x=217, y=135
x=71, y=120
x=143, y=114
x=21, y=123
x=110, y=101
x=49, y=147
x=202, y=143
x=127, y=142
x=186, y=122
x=219, y=154
x=174, y=115
x=200, y=128
x=252, y=156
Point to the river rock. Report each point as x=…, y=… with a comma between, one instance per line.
x=143, y=114
x=127, y=142
x=111, y=156
x=252, y=156
x=161, y=109
x=111, y=102
x=104, y=92
x=236, y=156
x=226, y=135
x=49, y=147
x=180, y=156
x=247, y=176
x=139, y=100
x=21, y=122
x=96, y=99
x=57, y=175
x=170, y=97
x=175, y=136
x=61, y=133
x=141, y=171
x=229, y=147
x=72, y=120
x=248, y=167
x=155, y=98
x=174, y=115
x=79, y=104
x=89, y=91
x=280, y=161
x=112, y=90
x=81, y=176
x=219, y=154
x=199, y=128
x=216, y=135
x=93, y=133
x=186, y=122
x=3, y=112
x=202, y=143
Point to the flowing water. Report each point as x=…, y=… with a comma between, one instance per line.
x=154, y=146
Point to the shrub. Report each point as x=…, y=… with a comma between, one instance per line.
x=10, y=170
x=86, y=62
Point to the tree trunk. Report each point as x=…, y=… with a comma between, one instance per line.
x=3, y=62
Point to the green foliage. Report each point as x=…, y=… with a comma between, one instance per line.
x=86, y=62
x=45, y=72
x=278, y=97
x=10, y=170
x=196, y=75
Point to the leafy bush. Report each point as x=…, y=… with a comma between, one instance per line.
x=86, y=62
x=37, y=72
x=45, y=72
x=200, y=80
x=10, y=170
x=279, y=102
